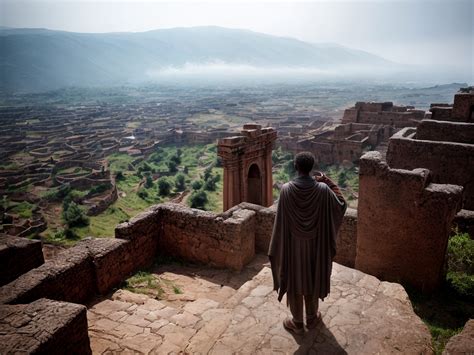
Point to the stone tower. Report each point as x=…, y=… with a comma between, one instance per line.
x=247, y=161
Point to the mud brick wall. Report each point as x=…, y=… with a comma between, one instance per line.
x=205, y=237
x=448, y=162
x=403, y=223
x=346, y=243
x=17, y=256
x=44, y=327
x=460, y=132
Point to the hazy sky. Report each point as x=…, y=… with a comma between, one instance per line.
x=405, y=31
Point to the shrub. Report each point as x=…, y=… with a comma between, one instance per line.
x=74, y=215
x=172, y=166
x=180, y=182
x=207, y=173
x=143, y=194
x=210, y=183
x=198, y=199
x=148, y=182
x=460, y=262
x=176, y=159
x=164, y=186
x=197, y=184
x=119, y=175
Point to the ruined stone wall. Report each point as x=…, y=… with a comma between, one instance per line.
x=346, y=243
x=448, y=162
x=17, y=256
x=460, y=132
x=44, y=327
x=403, y=223
x=95, y=265
x=218, y=240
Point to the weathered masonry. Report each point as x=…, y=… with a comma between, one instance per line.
x=247, y=161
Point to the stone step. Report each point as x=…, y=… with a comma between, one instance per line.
x=361, y=315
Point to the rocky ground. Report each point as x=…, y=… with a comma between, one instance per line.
x=221, y=312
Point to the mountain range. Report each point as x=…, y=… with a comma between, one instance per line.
x=41, y=59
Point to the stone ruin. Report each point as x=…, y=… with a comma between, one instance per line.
x=247, y=161
x=367, y=125
x=399, y=233
x=409, y=204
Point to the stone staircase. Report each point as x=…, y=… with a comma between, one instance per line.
x=361, y=316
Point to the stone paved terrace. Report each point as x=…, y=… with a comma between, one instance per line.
x=222, y=312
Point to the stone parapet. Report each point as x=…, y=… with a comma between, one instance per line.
x=17, y=256
x=445, y=131
x=226, y=240
x=403, y=223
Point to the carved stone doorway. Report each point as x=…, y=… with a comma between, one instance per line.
x=254, y=185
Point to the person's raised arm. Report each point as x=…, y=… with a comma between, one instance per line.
x=333, y=186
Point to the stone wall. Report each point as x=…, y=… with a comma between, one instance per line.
x=17, y=256
x=95, y=265
x=205, y=237
x=403, y=223
x=448, y=162
x=443, y=131
x=44, y=327
x=346, y=243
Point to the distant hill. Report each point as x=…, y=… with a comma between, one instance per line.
x=39, y=59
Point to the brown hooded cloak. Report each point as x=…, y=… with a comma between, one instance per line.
x=303, y=242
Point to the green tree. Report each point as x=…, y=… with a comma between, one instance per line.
x=197, y=184
x=198, y=199
x=74, y=215
x=164, y=186
x=180, y=182
x=148, y=182
x=176, y=159
x=207, y=173
x=172, y=166
x=211, y=182
x=186, y=170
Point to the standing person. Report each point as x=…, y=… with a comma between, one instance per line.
x=303, y=242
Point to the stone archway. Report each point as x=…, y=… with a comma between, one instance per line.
x=242, y=180
x=254, y=185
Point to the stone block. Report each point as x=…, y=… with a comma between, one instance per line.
x=44, y=327
x=17, y=256
x=70, y=277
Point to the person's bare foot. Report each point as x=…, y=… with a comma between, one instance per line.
x=312, y=321
x=292, y=326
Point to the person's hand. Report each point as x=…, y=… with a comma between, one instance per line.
x=323, y=178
